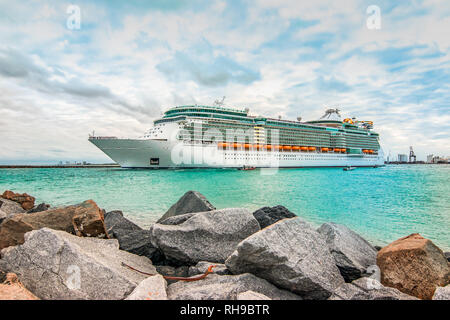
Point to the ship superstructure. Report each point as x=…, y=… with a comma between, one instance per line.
x=195, y=136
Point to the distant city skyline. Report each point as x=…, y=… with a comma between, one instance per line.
x=114, y=67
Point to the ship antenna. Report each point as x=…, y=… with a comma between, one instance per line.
x=330, y=111
x=220, y=103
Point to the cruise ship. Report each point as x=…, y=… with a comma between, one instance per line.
x=195, y=136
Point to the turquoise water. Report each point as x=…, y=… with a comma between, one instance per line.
x=382, y=204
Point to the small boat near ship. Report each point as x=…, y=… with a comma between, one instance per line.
x=349, y=168
x=247, y=168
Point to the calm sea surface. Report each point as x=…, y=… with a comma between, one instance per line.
x=382, y=204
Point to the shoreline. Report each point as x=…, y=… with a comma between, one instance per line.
x=13, y=166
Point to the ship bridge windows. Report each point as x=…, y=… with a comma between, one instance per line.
x=205, y=110
x=160, y=121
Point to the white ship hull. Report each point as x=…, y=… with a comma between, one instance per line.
x=157, y=154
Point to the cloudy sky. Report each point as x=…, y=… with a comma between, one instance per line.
x=130, y=60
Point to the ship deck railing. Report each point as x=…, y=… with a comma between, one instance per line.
x=102, y=138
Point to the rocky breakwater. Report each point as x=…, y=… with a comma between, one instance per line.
x=198, y=252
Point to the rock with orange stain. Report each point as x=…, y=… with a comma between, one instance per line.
x=152, y=288
x=413, y=265
x=13, y=289
x=84, y=219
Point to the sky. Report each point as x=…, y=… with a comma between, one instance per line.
x=126, y=62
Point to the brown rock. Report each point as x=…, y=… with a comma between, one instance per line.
x=12, y=289
x=90, y=223
x=413, y=265
x=85, y=219
x=12, y=231
x=25, y=200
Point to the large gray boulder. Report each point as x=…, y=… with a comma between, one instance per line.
x=442, y=293
x=368, y=289
x=352, y=253
x=175, y=220
x=115, y=220
x=131, y=237
x=217, y=287
x=57, y=265
x=138, y=242
x=10, y=207
x=269, y=215
x=291, y=255
x=191, y=201
x=202, y=266
x=205, y=236
x=152, y=288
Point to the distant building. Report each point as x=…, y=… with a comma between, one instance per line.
x=430, y=158
x=402, y=158
x=438, y=159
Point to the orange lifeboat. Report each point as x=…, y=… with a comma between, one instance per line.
x=247, y=146
x=370, y=151
x=268, y=147
x=258, y=146
x=311, y=148
x=277, y=147
x=237, y=145
x=337, y=150
x=324, y=149
x=287, y=148
x=296, y=148
x=222, y=145
x=343, y=150
x=304, y=148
